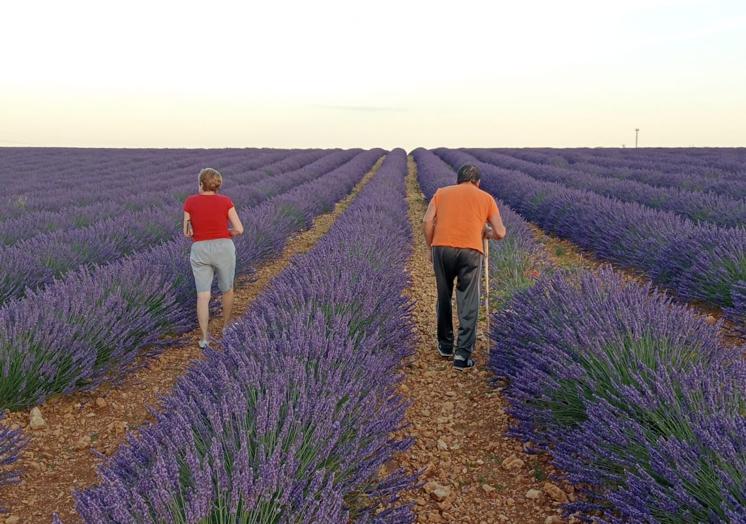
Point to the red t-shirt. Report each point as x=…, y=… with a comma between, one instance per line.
x=209, y=216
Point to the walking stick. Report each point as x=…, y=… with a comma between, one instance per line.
x=487, y=286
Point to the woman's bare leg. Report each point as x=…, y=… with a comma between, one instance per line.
x=227, y=308
x=203, y=312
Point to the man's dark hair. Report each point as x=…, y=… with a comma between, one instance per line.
x=468, y=173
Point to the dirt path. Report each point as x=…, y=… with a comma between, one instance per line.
x=473, y=473
x=83, y=428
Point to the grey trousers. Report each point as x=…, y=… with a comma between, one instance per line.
x=465, y=267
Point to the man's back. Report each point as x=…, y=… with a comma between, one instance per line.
x=461, y=213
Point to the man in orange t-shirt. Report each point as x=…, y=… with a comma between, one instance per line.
x=454, y=226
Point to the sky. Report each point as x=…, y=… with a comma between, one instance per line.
x=333, y=73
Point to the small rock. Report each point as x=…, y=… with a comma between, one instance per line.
x=711, y=320
x=433, y=517
x=555, y=492
x=509, y=501
x=512, y=462
x=487, y=488
x=552, y=519
x=101, y=402
x=37, y=421
x=420, y=501
x=437, y=491
x=533, y=494
x=84, y=442
x=13, y=519
x=442, y=445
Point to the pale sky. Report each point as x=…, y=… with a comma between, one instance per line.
x=328, y=73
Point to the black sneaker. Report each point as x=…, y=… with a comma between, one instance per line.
x=463, y=364
x=444, y=353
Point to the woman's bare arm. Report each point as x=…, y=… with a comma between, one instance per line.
x=236, y=225
x=187, y=226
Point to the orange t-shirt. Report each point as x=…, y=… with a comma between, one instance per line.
x=461, y=212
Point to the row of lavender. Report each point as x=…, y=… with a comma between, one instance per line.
x=711, y=163
x=38, y=261
x=700, y=207
x=292, y=420
x=38, y=175
x=704, y=162
x=661, y=174
x=78, y=331
x=69, y=206
x=704, y=263
x=635, y=397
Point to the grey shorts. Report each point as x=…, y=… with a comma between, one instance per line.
x=213, y=256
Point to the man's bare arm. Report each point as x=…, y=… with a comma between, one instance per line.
x=498, y=228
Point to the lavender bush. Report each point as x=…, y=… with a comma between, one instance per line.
x=616, y=381
x=291, y=421
x=738, y=311
x=92, y=324
x=11, y=443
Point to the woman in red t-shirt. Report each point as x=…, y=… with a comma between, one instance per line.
x=206, y=217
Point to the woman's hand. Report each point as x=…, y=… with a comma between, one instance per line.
x=236, y=225
x=187, y=225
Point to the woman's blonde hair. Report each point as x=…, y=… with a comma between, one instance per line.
x=210, y=179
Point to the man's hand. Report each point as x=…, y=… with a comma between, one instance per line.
x=188, y=231
x=487, y=232
x=430, y=254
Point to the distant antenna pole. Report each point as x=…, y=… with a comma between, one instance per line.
x=637, y=134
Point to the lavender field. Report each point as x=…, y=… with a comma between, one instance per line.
x=632, y=389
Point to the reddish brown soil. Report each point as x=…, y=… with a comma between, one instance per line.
x=62, y=457
x=459, y=423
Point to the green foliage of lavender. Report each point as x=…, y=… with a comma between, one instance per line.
x=635, y=398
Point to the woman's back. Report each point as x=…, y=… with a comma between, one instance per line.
x=208, y=214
